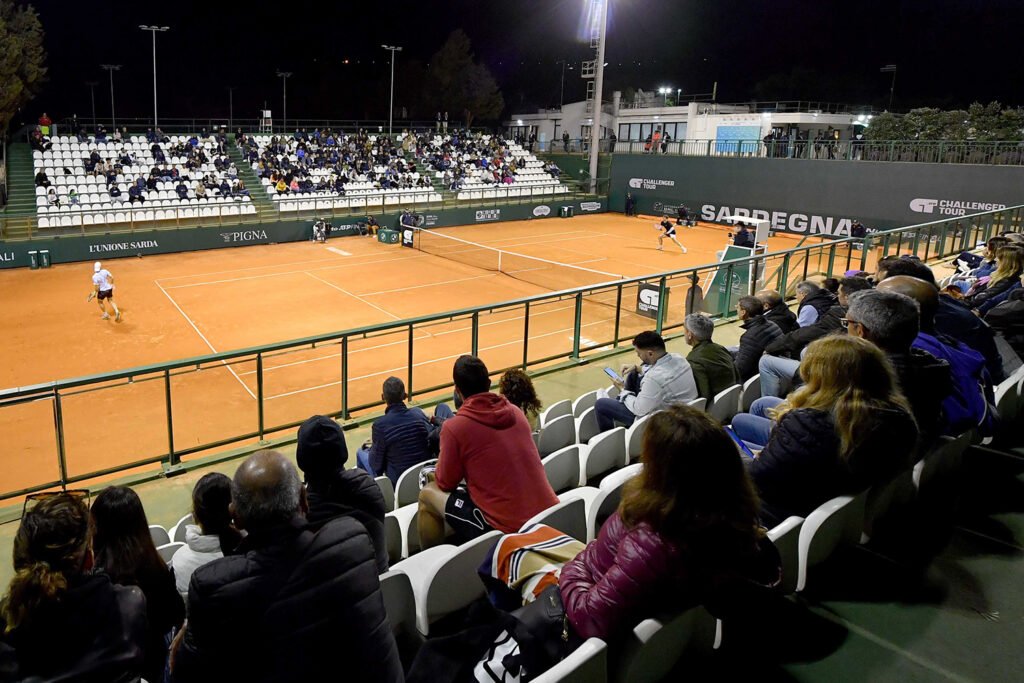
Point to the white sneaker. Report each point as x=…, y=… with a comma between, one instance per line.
x=104, y=317
x=661, y=248
x=684, y=249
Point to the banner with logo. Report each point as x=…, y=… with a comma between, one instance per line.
x=648, y=298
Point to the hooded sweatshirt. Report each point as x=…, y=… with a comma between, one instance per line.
x=488, y=443
x=199, y=549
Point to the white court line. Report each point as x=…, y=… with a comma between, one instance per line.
x=431, y=284
x=354, y=296
x=355, y=264
x=428, y=362
x=203, y=337
x=339, y=252
x=403, y=341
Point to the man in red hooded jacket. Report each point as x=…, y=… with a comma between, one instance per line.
x=489, y=446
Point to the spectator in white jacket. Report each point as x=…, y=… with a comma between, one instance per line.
x=662, y=379
x=213, y=533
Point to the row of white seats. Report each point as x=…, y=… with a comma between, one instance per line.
x=142, y=215
x=106, y=204
x=355, y=202
x=510, y=192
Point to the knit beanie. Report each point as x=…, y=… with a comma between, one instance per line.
x=321, y=450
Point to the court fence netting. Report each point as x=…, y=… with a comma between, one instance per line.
x=259, y=396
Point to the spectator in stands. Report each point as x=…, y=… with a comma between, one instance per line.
x=845, y=430
x=399, y=438
x=661, y=379
x=891, y=321
x=1007, y=319
x=517, y=387
x=758, y=333
x=59, y=620
x=813, y=303
x=967, y=406
x=488, y=445
x=301, y=602
x=1009, y=267
x=181, y=189
x=979, y=266
x=135, y=194
x=952, y=318
x=565, y=141
x=52, y=198
x=41, y=179
x=212, y=533
x=685, y=533
x=125, y=551
x=332, y=490
x=712, y=364
x=776, y=310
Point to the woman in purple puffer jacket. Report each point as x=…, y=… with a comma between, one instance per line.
x=685, y=531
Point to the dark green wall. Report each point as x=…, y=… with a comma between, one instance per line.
x=97, y=246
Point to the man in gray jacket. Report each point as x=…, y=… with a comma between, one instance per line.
x=662, y=379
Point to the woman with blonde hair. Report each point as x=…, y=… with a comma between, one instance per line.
x=1009, y=267
x=847, y=428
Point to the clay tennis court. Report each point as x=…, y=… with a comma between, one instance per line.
x=192, y=304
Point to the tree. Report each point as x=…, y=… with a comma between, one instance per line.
x=981, y=122
x=456, y=83
x=22, y=59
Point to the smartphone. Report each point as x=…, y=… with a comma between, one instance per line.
x=614, y=375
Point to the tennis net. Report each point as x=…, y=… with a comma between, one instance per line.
x=551, y=275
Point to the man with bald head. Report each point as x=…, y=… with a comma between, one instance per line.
x=296, y=605
x=969, y=404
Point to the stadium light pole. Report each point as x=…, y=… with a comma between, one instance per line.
x=595, y=130
x=111, y=68
x=92, y=96
x=154, y=30
x=285, y=75
x=391, y=109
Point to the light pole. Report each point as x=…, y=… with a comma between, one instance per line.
x=112, y=68
x=154, y=30
x=595, y=130
x=284, y=108
x=561, y=92
x=92, y=96
x=890, y=68
x=664, y=92
x=391, y=109
x=679, y=91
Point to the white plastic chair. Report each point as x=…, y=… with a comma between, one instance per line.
x=555, y=410
x=587, y=664
x=400, y=606
x=635, y=436
x=177, y=532
x=650, y=651
x=167, y=550
x=159, y=535
x=751, y=392
x=606, y=502
x=387, y=490
x=725, y=404
x=835, y=522
x=698, y=403
x=586, y=426
x=408, y=489
x=556, y=434
x=567, y=516
x=563, y=468
x=583, y=402
x=604, y=453
x=786, y=537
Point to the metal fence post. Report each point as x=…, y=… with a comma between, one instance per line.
x=663, y=305
x=58, y=424
x=526, y=335
x=618, y=315
x=173, y=459
x=344, y=378
x=577, y=327
x=259, y=394
x=408, y=382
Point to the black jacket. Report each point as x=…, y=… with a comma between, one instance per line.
x=1007, y=318
x=96, y=634
x=760, y=332
x=925, y=381
x=800, y=468
x=782, y=316
x=793, y=343
x=297, y=606
x=355, y=494
x=992, y=291
x=821, y=301
x=954, y=319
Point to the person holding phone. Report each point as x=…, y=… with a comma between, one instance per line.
x=661, y=379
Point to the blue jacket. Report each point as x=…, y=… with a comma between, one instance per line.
x=399, y=441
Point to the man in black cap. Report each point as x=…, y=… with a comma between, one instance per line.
x=334, y=491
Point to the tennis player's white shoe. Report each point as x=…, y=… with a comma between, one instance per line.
x=117, y=318
x=105, y=317
x=661, y=248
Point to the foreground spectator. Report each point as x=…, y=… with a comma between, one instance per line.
x=124, y=550
x=332, y=490
x=488, y=444
x=399, y=438
x=758, y=333
x=891, y=321
x=212, y=535
x=1007, y=319
x=60, y=620
x=517, y=387
x=845, y=430
x=776, y=310
x=1009, y=267
x=685, y=532
x=662, y=379
x=297, y=605
x=712, y=365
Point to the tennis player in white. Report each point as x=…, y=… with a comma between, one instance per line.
x=103, y=290
x=667, y=230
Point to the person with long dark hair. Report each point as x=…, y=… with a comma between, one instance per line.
x=686, y=529
x=59, y=619
x=213, y=534
x=517, y=387
x=125, y=551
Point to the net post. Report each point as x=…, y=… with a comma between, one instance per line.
x=259, y=395
x=577, y=328
x=662, y=305
x=58, y=424
x=344, y=378
x=173, y=459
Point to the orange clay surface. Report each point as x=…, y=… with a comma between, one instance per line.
x=183, y=305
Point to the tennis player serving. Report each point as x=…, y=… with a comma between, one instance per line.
x=667, y=230
x=103, y=290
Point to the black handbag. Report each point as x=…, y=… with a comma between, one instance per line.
x=544, y=634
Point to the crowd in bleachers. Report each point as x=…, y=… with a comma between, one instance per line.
x=592, y=524
x=153, y=177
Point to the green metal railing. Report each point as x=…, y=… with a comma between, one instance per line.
x=87, y=427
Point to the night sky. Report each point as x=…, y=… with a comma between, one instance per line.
x=949, y=52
